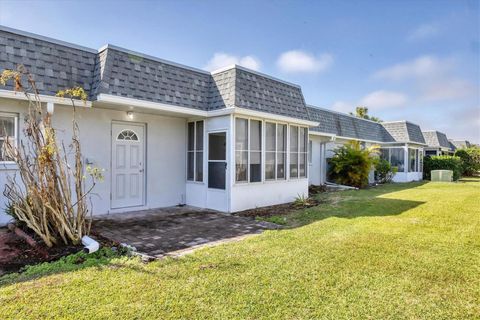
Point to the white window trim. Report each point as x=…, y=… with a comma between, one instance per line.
x=298, y=177
x=8, y=164
x=285, y=152
x=194, y=151
x=286, y=178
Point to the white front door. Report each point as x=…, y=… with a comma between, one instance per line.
x=128, y=167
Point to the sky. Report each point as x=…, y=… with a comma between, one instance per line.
x=404, y=60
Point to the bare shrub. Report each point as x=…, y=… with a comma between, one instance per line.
x=51, y=198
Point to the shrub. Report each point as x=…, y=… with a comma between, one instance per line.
x=384, y=171
x=442, y=163
x=50, y=193
x=351, y=164
x=470, y=160
x=302, y=201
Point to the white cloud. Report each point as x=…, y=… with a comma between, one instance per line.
x=421, y=67
x=433, y=78
x=384, y=99
x=423, y=32
x=447, y=89
x=297, y=61
x=221, y=59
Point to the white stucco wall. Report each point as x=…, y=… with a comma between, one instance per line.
x=251, y=195
x=165, y=152
x=407, y=176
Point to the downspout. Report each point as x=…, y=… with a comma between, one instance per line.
x=340, y=186
x=90, y=245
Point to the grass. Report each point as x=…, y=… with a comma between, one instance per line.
x=409, y=251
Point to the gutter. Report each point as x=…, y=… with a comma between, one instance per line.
x=10, y=94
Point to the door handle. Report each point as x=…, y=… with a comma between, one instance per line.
x=141, y=170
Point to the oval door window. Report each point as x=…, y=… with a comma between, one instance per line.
x=127, y=135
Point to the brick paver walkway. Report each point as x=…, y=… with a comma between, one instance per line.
x=158, y=232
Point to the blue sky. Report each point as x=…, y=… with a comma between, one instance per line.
x=414, y=60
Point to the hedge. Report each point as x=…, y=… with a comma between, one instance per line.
x=442, y=163
x=470, y=160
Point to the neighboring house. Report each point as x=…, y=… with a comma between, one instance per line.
x=401, y=143
x=406, y=153
x=437, y=143
x=460, y=144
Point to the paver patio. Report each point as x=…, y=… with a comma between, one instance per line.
x=166, y=231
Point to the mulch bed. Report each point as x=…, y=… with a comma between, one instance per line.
x=16, y=253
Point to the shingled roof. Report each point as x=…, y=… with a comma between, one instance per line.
x=404, y=131
x=54, y=65
x=436, y=139
x=460, y=144
x=348, y=126
x=116, y=71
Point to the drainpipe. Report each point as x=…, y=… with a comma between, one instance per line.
x=50, y=107
x=90, y=245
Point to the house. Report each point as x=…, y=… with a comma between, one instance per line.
x=400, y=142
x=169, y=134
x=459, y=144
x=165, y=133
x=406, y=153
x=437, y=143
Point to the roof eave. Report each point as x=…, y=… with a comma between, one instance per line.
x=272, y=116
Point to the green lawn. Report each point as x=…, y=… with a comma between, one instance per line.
x=409, y=251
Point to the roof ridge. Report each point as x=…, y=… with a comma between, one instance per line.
x=150, y=57
x=47, y=39
x=341, y=113
x=258, y=73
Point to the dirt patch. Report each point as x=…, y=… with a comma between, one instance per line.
x=16, y=253
x=278, y=210
x=284, y=209
x=314, y=190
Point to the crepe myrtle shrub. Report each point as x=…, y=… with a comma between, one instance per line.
x=351, y=164
x=470, y=160
x=50, y=193
x=442, y=163
x=384, y=171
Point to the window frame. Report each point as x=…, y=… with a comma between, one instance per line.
x=262, y=149
x=248, y=149
x=194, y=151
x=276, y=151
x=412, y=155
x=298, y=152
x=15, y=117
x=405, y=159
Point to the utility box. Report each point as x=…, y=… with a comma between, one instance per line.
x=441, y=175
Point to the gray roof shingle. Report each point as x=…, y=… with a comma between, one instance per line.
x=134, y=76
x=115, y=71
x=262, y=93
x=54, y=66
x=460, y=144
x=436, y=139
x=348, y=126
x=404, y=131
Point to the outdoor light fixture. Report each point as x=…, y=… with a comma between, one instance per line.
x=130, y=115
